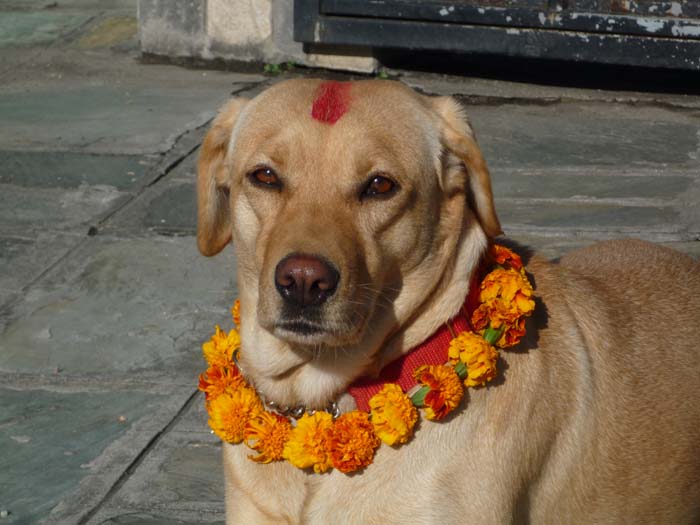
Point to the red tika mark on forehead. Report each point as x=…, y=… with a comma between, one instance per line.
x=332, y=101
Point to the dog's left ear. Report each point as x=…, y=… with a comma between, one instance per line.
x=213, y=183
x=459, y=143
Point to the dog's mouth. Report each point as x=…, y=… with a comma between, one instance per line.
x=300, y=327
x=302, y=330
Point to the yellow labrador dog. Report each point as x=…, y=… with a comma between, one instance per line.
x=359, y=212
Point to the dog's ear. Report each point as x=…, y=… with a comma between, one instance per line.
x=460, y=147
x=213, y=184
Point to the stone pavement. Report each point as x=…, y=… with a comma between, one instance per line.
x=104, y=300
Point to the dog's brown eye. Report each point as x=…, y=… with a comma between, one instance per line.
x=378, y=185
x=265, y=177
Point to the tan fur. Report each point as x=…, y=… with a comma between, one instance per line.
x=595, y=417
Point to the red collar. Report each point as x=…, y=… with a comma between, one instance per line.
x=432, y=351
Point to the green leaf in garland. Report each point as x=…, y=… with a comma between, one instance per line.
x=491, y=335
x=418, y=398
x=461, y=370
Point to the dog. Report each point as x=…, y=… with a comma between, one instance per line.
x=359, y=213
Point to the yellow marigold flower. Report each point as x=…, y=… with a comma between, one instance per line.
x=229, y=413
x=220, y=348
x=352, y=442
x=393, y=414
x=445, y=392
x=307, y=443
x=236, y=313
x=509, y=286
x=219, y=379
x=506, y=257
x=478, y=356
x=267, y=435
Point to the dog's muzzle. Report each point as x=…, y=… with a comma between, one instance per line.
x=305, y=282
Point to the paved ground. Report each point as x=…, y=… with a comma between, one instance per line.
x=104, y=300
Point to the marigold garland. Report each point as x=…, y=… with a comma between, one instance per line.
x=317, y=441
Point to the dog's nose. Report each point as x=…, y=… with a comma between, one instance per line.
x=305, y=280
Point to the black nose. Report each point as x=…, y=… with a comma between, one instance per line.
x=305, y=280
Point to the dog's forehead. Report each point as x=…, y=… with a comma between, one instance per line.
x=331, y=102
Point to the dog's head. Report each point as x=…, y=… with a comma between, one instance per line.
x=358, y=212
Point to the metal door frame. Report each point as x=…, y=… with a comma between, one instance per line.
x=551, y=33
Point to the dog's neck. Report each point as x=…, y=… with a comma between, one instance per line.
x=431, y=351
x=301, y=377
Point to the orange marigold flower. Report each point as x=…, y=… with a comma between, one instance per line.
x=506, y=297
x=267, y=435
x=236, y=313
x=219, y=379
x=478, y=356
x=506, y=257
x=445, y=392
x=352, y=442
x=513, y=334
x=229, y=413
x=480, y=317
x=393, y=414
x=307, y=443
x=220, y=348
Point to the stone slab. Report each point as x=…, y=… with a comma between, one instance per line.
x=48, y=103
x=592, y=217
x=195, y=417
x=37, y=28
x=167, y=208
x=65, y=191
x=6, y=297
x=586, y=135
x=181, y=476
x=143, y=518
x=121, y=307
x=39, y=209
x=51, y=441
x=555, y=184
x=112, y=31
x=549, y=247
x=89, y=5
x=502, y=91
x=60, y=169
x=103, y=119
x=24, y=258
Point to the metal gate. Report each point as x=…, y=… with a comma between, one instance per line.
x=652, y=33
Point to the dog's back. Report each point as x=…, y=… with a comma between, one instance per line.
x=646, y=382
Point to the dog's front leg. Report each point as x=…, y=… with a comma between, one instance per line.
x=261, y=494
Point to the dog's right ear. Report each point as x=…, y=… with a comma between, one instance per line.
x=458, y=140
x=213, y=182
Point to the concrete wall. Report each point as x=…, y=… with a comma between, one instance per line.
x=241, y=30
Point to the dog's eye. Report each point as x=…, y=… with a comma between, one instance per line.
x=265, y=177
x=378, y=185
